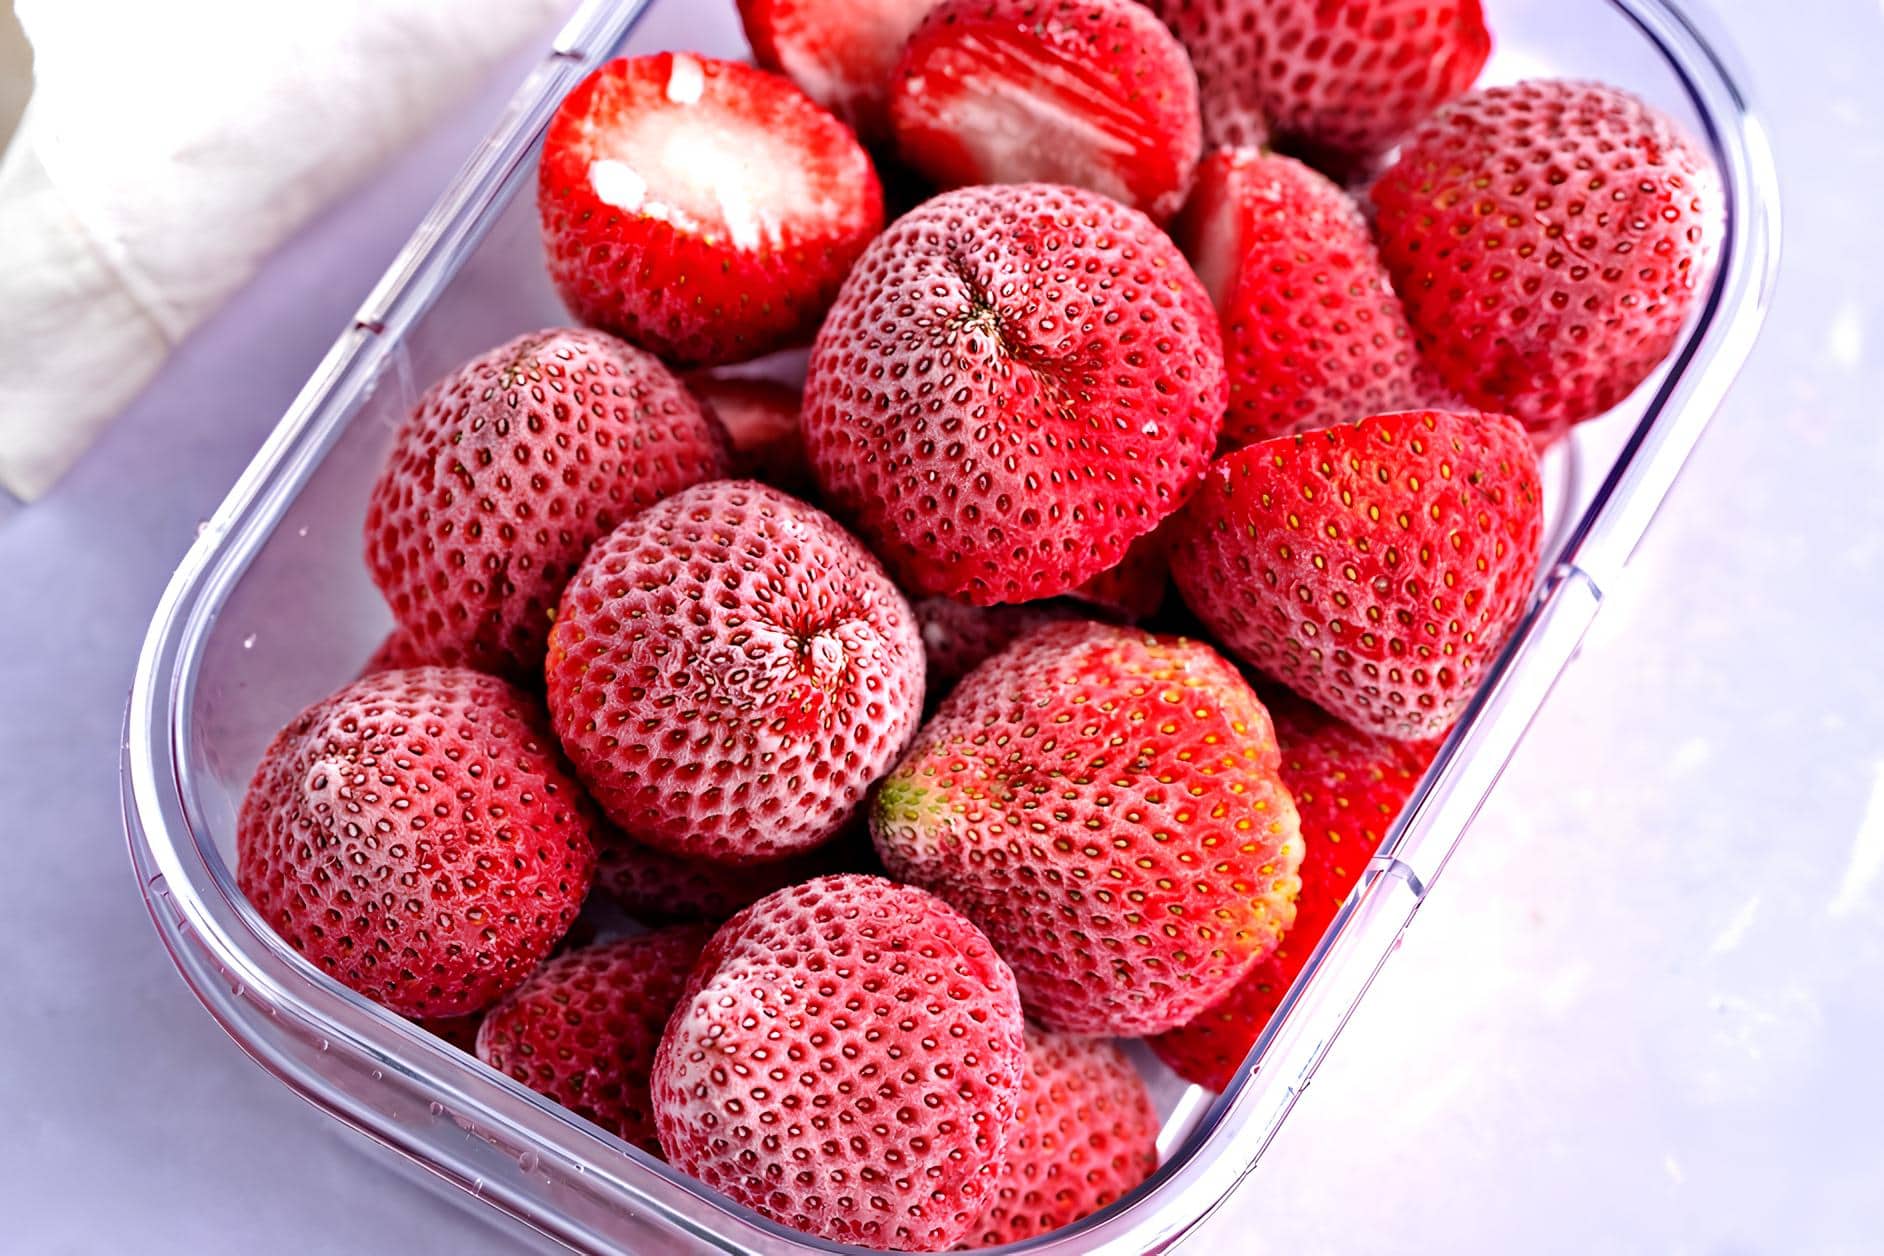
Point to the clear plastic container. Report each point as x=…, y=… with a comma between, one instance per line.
x=273, y=608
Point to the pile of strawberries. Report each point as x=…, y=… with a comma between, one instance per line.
x=669, y=639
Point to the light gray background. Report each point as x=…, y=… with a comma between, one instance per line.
x=1642, y=1011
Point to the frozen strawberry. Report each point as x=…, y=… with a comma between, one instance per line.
x=1132, y=588
x=1549, y=240
x=703, y=209
x=1349, y=787
x=957, y=638
x=398, y=650
x=1015, y=383
x=1312, y=333
x=654, y=886
x=1337, y=81
x=1085, y=1133
x=761, y=421
x=1375, y=568
x=1094, y=93
x=840, y=52
x=583, y=1029
x=417, y=837
x=507, y=471
x=1104, y=803
x=846, y=1059
x=730, y=671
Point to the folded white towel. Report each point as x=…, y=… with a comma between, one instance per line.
x=167, y=149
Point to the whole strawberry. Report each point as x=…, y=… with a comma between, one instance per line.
x=1085, y=1134
x=1337, y=81
x=1094, y=93
x=702, y=209
x=582, y=1030
x=762, y=429
x=506, y=472
x=1104, y=803
x=958, y=638
x=418, y=838
x=654, y=886
x=840, y=52
x=1133, y=588
x=1349, y=787
x=846, y=1060
x=1376, y=568
x=1549, y=240
x=730, y=671
x=1312, y=333
x=1016, y=382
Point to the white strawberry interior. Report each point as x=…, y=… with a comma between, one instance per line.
x=1215, y=242
x=700, y=162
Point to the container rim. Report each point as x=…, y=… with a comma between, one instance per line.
x=264, y=994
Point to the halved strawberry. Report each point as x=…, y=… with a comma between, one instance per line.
x=1093, y=93
x=703, y=209
x=1375, y=568
x=1349, y=787
x=1336, y=81
x=1312, y=333
x=761, y=421
x=840, y=52
x=1549, y=239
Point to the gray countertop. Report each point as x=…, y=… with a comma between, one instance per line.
x=1641, y=1011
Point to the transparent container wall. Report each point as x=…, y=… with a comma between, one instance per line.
x=275, y=609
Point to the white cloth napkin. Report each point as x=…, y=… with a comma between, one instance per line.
x=167, y=148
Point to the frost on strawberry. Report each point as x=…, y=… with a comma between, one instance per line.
x=730, y=671
x=582, y=1030
x=1092, y=93
x=1349, y=787
x=1376, y=568
x=418, y=838
x=702, y=209
x=846, y=1059
x=1105, y=804
x=1549, y=240
x=1015, y=384
x=503, y=475
x=1085, y=1134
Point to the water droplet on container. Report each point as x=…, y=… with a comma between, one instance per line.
x=436, y=1108
x=248, y=642
x=322, y=1044
x=238, y=989
x=202, y=526
x=301, y=531
x=528, y=1162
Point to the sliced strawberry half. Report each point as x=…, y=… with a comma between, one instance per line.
x=703, y=209
x=1312, y=332
x=1093, y=93
x=840, y=52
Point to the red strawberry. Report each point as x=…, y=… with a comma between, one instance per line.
x=761, y=421
x=583, y=1029
x=1312, y=333
x=1349, y=787
x=1549, y=240
x=957, y=638
x=652, y=885
x=1105, y=804
x=1015, y=384
x=1335, y=80
x=702, y=209
x=840, y=52
x=1375, y=568
x=1095, y=93
x=846, y=1059
x=507, y=471
x=1085, y=1133
x=418, y=838
x=730, y=671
